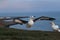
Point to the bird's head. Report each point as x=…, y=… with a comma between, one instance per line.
x=32, y=17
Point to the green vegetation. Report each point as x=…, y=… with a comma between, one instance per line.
x=15, y=34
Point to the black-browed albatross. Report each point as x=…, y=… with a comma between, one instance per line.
x=20, y=21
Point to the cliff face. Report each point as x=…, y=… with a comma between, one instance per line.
x=14, y=34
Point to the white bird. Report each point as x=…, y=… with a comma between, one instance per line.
x=55, y=27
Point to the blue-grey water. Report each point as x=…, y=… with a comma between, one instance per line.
x=39, y=25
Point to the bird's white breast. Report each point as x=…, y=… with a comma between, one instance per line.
x=31, y=22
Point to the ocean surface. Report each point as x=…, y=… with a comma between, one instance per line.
x=39, y=25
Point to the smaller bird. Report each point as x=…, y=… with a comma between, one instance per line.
x=54, y=26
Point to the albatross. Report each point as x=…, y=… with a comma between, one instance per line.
x=28, y=23
x=54, y=26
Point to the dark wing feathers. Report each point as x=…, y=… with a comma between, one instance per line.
x=8, y=18
x=23, y=21
x=44, y=18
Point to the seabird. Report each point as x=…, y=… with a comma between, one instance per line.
x=54, y=26
x=29, y=23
